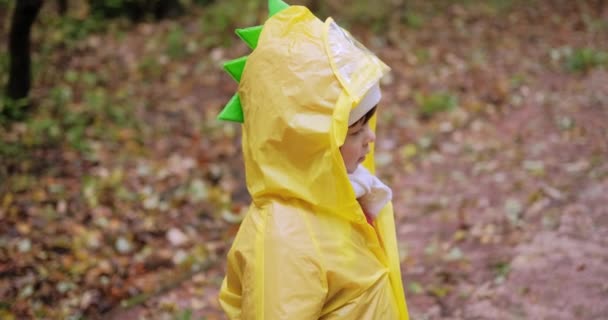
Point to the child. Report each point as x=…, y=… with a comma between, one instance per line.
x=318, y=241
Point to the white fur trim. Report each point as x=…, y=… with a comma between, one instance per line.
x=371, y=193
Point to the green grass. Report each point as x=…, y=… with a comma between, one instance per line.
x=585, y=59
x=176, y=47
x=220, y=19
x=431, y=104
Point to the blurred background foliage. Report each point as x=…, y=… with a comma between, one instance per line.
x=65, y=28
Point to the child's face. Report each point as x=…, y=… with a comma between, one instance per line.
x=356, y=145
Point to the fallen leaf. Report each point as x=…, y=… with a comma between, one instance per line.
x=176, y=237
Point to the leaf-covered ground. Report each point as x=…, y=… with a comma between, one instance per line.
x=121, y=193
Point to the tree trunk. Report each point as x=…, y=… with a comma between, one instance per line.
x=167, y=9
x=62, y=7
x=19, y=80
x=138, y=10
x=314, y=6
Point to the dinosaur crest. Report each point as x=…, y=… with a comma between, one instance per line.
x=233, y=111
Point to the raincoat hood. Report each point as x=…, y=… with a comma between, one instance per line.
x=297, y=90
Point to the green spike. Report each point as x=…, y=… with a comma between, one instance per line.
x=233, y=110
x=274, y=6
x=250, y=35
x=235, y=67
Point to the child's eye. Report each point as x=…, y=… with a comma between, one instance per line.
x=356, y=132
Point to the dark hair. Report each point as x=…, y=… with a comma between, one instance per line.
x=365, y=117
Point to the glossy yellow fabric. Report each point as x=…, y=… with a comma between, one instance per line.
x=304, y=250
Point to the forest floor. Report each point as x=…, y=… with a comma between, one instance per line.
x=500, y=202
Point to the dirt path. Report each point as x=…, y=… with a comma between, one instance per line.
x=518, y=233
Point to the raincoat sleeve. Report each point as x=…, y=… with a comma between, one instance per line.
x=277, y=276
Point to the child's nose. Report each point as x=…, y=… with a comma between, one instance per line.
x=371, y=136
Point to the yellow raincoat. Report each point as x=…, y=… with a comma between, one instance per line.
x=305, y=250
